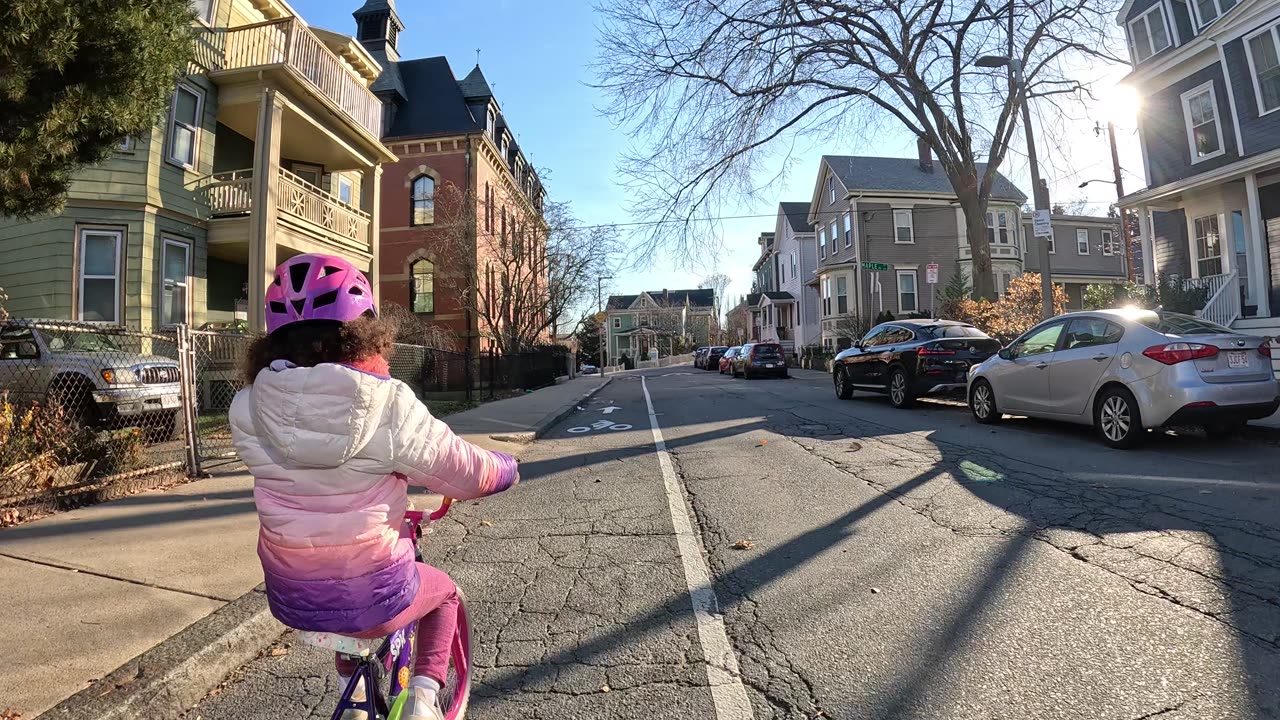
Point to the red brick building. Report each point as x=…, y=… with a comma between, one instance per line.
x=461, y=192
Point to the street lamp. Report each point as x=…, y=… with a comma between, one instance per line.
x=604, y=336
x=1038, y=189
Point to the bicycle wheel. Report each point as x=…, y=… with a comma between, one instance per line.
x=456, y=692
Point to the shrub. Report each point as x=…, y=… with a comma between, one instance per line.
x=884, y=317
x=1019, y=310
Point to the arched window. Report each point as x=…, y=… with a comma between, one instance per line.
x=423, y=208
x=422, y=287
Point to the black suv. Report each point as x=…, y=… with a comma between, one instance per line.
x=907, y=359
x=711, y=357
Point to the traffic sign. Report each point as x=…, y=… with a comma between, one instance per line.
x=931, y=273
x=878, y=267
x=1041, y=225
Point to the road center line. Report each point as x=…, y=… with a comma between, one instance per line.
x=727, y=692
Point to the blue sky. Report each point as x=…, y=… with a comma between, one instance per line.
x=536, y=57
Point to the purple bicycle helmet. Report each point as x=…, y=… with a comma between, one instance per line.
x=317, y=287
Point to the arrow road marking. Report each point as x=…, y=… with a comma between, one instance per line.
x=609, y=410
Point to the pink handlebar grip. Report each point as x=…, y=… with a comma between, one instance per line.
x=444, y=508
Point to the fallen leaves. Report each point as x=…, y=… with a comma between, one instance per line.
x=486, y=523
x=279, y=650
x=605, y=688
x=9, y=714
x=744, y=544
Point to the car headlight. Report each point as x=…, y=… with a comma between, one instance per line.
x=119, y=376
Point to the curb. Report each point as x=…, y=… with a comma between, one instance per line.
x=546, y=423
x=166, y=681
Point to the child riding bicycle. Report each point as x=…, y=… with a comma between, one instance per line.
x=333, y=444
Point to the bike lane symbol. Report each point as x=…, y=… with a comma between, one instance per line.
x=600, y=425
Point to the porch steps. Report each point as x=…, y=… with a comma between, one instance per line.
x=1267, y=327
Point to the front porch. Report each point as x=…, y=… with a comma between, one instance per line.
x=1219, y=231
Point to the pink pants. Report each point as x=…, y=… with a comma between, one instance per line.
x=435, y=607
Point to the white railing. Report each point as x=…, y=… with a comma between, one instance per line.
x=288, y=42
x=231, y=193
x=228, y=193
x=998, y=250
x=301, y=199
x=1223, y=306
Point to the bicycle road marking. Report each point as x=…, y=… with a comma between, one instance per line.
x=727, y=692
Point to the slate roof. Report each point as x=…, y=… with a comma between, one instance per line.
x=474, y=85
x=753, y=300
x=772, y=295
x=371, y=6
x=797, y=214
x=434, y=105
x=904, y=174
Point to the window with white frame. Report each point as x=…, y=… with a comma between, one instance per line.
x=1053, y=244
x=908, y=301
x=831, y=187
x=822, y=243
x=903, y=232
x=848, y=230
x=1208, y=246
x=345, y=189
x=1108, y=243
x=1149, y=33
x=1264, y=66
x=998, y=228
x=826, y=296
x=793, y=264
x=1204, y=132
x=1082, y=241
x=99, y=275
x=834, y=237
x=184, y=126
x=842, y=295
x=1002, y=283
x=203, y=10
x=782, y=273
x=174, y=297
x=1209, y=10
x=617, y=323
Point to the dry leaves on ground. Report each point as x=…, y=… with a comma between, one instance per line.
x=744, y=544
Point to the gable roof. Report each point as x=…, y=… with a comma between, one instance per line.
x=881, y=174
x=701, y=297
x=797, y=214
x=434, y=104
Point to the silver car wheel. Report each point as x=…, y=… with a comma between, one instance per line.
x=982, y=401
x=1116, y=418
x=898, y=388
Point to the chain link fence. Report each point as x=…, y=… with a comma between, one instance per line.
x=89, y=412
x=86, y=413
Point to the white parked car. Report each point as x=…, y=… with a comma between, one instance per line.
x=1127, y=371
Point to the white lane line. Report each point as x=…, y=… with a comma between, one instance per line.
x=727, y=692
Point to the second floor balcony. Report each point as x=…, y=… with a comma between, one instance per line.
x=289, y=52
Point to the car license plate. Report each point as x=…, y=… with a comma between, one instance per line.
x=168, y=402
x=769, y=365
x=1237, y=359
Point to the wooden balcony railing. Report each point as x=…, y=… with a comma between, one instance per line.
x=230, y=194
x=288, y=42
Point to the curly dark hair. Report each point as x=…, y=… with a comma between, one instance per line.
x=311, y=343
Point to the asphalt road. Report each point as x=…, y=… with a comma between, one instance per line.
x=868, y=563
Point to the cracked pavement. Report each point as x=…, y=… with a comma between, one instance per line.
x=902, y=564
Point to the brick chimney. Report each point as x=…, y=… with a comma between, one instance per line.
x=926, y=154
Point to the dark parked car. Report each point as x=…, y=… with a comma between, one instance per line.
x=711, y=359
x=759, y=359
x=726, y=360
x=907, y=359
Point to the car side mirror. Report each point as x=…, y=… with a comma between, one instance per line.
x=28, y=350
x=1006, y=353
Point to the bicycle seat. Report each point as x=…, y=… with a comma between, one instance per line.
x=360, y=647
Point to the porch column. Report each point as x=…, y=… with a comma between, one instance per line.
x=1256, y=250
x=262, y=220
x=1148, y=246
x=371, y=202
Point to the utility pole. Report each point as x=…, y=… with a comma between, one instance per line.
x=1124, y=214
x=1038, y=187
x=603, y=331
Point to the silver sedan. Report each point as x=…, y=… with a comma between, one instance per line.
x=1127, y=371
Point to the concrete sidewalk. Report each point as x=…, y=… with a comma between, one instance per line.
x=108, y=599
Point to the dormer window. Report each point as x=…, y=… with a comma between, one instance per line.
x=1149, y=33
x=492, y=125
x=1209, y=10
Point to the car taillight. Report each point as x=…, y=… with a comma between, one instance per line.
x=1174, y=353
x=926, y=350
x=1265, y=347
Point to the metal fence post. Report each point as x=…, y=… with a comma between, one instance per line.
x=187, y=373
x=467, y=376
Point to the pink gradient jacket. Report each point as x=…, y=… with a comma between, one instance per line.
x=333, y=450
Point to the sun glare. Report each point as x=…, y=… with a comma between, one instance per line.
x=1121, y=104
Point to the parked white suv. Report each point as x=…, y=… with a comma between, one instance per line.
x=87, y=372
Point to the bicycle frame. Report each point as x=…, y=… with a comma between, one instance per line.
x=396, y=653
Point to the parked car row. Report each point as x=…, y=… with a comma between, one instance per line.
x=748, y=361
x=1122, y=371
